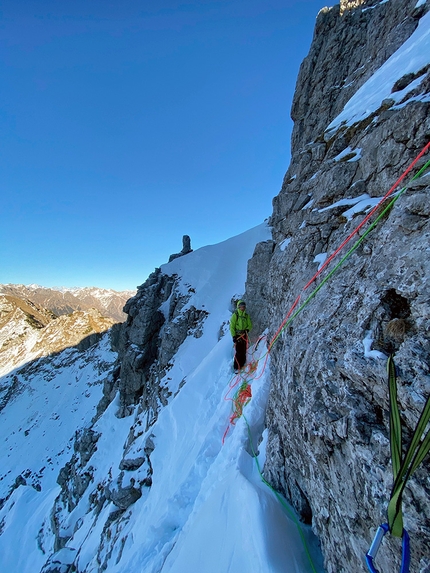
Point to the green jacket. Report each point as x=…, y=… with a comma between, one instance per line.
x=239, y=322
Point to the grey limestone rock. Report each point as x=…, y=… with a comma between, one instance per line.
x=150, y=338
x=186, y=248
x=122, y=496
x=328, y=412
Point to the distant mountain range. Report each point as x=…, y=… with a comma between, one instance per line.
x=62, y=300
x=36, y=321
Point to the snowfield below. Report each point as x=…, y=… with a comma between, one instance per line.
x=207, y=509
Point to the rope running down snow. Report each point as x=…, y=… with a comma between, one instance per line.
x=249, y=373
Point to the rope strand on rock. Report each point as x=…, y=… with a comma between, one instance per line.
x=416, y=452
x=292, y=313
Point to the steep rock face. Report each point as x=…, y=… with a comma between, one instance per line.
x=347, y=48
x=155, y=328
x=44, y=402
x=328, y=447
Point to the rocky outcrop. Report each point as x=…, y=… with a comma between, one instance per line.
x=357, y=41
x=186, y=248
x=328, y=448
x=159, y=320
x=157, y=325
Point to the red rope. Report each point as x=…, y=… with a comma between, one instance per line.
x=364, y=221
x=244, y=395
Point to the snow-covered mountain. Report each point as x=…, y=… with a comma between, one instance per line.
x=148, y=457
x=64, y=300
x=29, y=331
x=85, y=491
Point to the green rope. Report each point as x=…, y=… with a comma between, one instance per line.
x=284, y=504
x=403, y=471
x=352, y=249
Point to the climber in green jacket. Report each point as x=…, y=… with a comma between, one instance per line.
x=240, y=325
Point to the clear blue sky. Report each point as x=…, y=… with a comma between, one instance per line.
x=126, y=124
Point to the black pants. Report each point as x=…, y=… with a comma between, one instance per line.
x=240, y=351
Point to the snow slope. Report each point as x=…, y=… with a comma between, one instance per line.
x=56, y=396
x=207, y=510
